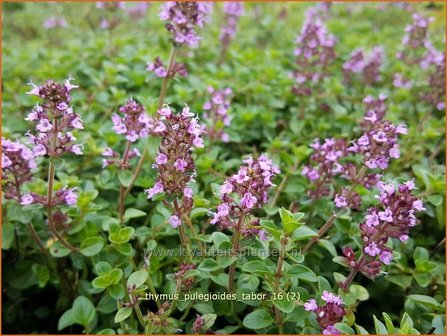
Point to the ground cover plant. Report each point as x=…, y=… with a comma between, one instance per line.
x=230, y=168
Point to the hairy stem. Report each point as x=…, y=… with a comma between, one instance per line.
x=164, y=87
x=278, y=275
x=232, y=270
x=51, y=171
x=122, y=198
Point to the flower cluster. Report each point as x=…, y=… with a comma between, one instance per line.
x=314, y=53
x=400, y=81
x=376, y=109
x=329, y=313
x=65, y=195
x=324, y=164
x=367, y=65
x=55, y=119
x=55, y=22
x=435, y=95
x=319, y=11
x=218, y=107
x=233, y=11
x=186, y=282
x=135, y=122
x=139, y=10
x=184, y=17
x=161, y=71
x=347, y=198
x=416, y=32
x=180, y=133
x=110, y=10
x=393, y=218
x=378, y=144
x=249, y=188
x=18, y=162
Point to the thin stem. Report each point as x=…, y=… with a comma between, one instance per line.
x=151, y=287
x=333, y=217
x=164, y=87
x=189, y=223
x=345, y=284
x=278, y=275
x=29, y=225
x=122, y=190
x=36, y=237
x=139, y=315
x=232, y=270
x=283, y=184
x=51, y=171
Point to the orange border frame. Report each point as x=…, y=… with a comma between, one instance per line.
x=298, y=1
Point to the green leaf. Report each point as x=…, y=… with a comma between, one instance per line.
x=328, y=246
x=92, y=246
x=197, y=212
x=420, y=254
x=122, y=314
x=344, y=328
x=435, y=199
x=7, y=235
x=258, y=319
x=255, y=266
x=208, y=265
x=406, y=323
x=219, y=238
x=65, y=320
x=106, y=331
x=83, y=311
x=122, y=236
x=137, y=278
x=302, y=272
x=271, y=228
x=42, y=273
x=58, y=250
x=360, y=330
x=117, y=291
x=379, y=326
x=303, y=232
x=209, y=320
x=424, y=300
x=388, y=322
x=103, y=268
x=125, y=177
x=289, y=222
x=133, y=213
x=284, y=304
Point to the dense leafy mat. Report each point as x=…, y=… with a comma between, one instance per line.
x=285, y=93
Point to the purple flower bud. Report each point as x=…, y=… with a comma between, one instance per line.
x=174, y=221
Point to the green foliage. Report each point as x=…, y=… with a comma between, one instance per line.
x=108, y=286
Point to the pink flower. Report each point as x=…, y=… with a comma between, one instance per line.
x=107, y=152
x=156, y=189
x=263, y=235
x=161, y=159
x=372, y=249
x=248, y=201
x=44, y=125
x=77, y=149
x=340, y=202
x=27, y=199
x=386, y=215
x=311, y=305
x=418, y=205
x=174, y=221
x=39, y=150
x=386, y=257
x=331, y=330
x=187, y=192
x=180, y=164
x=329, y=297
x=226, y=188
x=70, y=197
